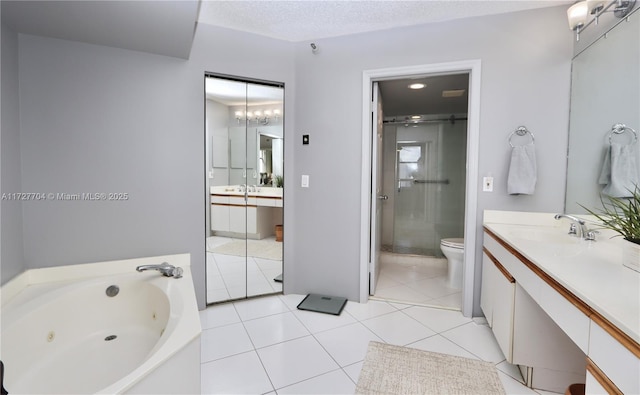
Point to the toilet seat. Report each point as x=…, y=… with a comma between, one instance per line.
x=457, y=243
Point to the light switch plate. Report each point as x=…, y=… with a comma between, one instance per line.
x=305, y=181
x=487, y=184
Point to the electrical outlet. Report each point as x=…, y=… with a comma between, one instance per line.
x=487, y=184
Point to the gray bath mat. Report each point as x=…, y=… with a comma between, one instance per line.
x=323, y=304
x=389, y=369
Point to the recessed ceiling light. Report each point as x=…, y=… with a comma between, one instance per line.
x=416, y=116
x=453, y=93
x=417, y=86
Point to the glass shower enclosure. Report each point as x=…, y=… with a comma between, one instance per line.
x=429, y=185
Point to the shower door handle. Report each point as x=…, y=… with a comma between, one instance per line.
x=383, y=197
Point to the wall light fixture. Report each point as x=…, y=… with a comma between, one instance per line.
x=259, y=116
x=578, y=13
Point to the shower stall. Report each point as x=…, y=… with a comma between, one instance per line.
x=424, y=175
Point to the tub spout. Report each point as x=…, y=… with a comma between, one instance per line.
x=164, y=268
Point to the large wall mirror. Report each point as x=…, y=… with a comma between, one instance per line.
x=245, y=152
x=605, y=90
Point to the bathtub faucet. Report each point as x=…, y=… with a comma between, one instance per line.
x=166, y=269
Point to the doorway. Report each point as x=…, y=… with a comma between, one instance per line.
x=423, y=177
x=413, y=185
x=244, y=205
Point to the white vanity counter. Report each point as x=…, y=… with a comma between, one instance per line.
x=592, y=271
x=579, y=285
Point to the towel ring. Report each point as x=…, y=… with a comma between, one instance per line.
x=620, y=128
x=521, y=131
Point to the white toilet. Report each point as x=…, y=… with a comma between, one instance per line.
x=453, y=250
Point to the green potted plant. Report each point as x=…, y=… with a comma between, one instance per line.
x=279, y=181
x=622, y=215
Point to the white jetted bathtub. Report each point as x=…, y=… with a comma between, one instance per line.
x=101, y=328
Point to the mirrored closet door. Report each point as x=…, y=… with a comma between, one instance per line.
x=244, y=135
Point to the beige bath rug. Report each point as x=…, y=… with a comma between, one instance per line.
x=392, y=369
x=266, y=249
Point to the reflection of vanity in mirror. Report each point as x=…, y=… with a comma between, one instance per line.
x=246, y=160
x=605, y=90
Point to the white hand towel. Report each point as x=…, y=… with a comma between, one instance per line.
x=619, y=172
x=522, y=170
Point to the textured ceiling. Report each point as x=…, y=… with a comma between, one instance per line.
x=304, y=20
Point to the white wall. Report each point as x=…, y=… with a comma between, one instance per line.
x=100, y=119
x=11, y=260
x=526, y=59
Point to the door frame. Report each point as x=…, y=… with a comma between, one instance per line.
x=377, y=128
x=473, y=67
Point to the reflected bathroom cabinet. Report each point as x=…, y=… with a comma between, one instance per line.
x=244, y=159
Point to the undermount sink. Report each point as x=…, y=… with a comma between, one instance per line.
x=554, y=241
x=547, y=235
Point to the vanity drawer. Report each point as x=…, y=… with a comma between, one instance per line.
x=269, y=202
x=266, y=202
x=510, y=262
x=569, y=318
x=237, y=200
x=216, y=199
x=593, y=386
x=614, y=360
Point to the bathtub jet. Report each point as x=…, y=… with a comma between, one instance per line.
x=166, y=269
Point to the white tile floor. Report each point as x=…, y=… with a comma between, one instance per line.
x=266, y=345
x=416, y=279
x=234, y=277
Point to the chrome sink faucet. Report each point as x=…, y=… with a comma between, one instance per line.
x=166, y=269
x=585, y=233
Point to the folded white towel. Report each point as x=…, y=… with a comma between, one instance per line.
x=522, y=170
x=619, y=172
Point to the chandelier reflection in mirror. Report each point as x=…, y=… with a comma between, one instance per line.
x=578, y=13
x=258, y=116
